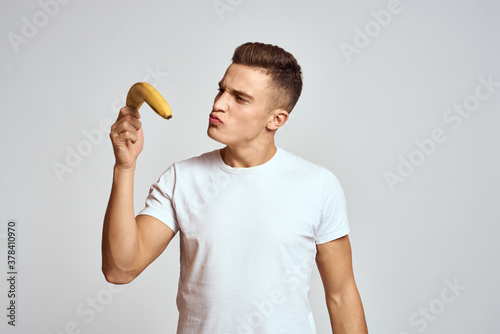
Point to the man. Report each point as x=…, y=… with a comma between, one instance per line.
x=252, y=218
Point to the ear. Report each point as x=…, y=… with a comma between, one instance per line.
x=277, y=119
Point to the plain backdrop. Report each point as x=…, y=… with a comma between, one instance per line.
x=400, y=102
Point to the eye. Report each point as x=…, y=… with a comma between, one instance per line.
x=220, y=90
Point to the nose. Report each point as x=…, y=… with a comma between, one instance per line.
x=221, y=102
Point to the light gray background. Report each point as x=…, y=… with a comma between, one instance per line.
x=356, y=117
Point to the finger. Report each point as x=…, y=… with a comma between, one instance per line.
x=123, y=137
x=132, y=121
x=129, y=111
x=123, y=127
x=126, y=123
x=127, y=135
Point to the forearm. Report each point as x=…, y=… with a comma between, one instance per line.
x=346, y=312
x=120, y=245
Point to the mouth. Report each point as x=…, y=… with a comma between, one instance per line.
x=214, y=119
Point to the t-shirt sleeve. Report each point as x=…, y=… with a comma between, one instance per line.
x=159, y=203
x=333, y=223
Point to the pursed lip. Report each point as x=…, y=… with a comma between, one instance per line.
x=214, y=116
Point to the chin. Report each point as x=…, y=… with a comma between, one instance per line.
x=212, y=133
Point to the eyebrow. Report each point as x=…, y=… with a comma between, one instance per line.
x=238, y=92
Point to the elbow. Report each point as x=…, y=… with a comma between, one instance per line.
x=113, y=279
x=117, y=276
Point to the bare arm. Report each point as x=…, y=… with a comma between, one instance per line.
x=334, y=262
x=129, y=244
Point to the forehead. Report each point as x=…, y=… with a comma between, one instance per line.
x=245, y=78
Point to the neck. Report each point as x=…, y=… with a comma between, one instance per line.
x=247, y=156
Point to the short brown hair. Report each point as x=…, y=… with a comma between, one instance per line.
x=282, y=67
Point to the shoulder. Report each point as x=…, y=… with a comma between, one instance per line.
x=312, y=173
x=297, y=163
x=192, y=167
x=202, y=160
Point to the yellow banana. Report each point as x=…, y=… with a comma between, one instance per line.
x=143, y=92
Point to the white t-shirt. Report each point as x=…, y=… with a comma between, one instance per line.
x=247, y=240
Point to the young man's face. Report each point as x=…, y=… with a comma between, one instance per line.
x=239, y=116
